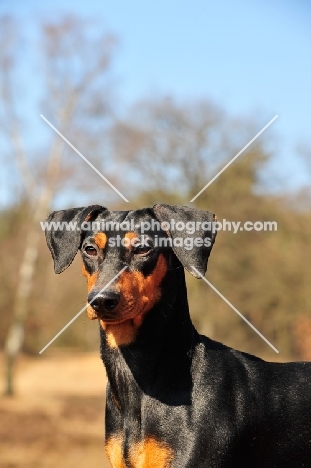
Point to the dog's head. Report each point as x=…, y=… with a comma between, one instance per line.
x=126, y=256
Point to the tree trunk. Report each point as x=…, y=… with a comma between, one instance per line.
x=15, y=335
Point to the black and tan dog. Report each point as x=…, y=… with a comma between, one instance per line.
x=175, y=398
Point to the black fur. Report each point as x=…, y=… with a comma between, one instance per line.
x=215, y=407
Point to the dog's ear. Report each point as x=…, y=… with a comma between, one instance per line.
x=198, y=226
x=64, y=243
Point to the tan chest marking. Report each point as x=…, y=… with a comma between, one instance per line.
x=113, y=449
x=151, y=454
x=148, y=453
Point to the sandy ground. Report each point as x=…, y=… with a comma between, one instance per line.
x=56, y=418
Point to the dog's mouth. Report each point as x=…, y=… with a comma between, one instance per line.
x=111, y=318
x=110, y=321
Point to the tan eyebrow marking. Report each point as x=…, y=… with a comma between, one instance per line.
x=130, y=236
x=100, y=240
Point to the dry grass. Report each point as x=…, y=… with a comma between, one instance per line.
x=56, y=418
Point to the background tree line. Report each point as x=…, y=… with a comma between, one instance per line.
x=158, y=150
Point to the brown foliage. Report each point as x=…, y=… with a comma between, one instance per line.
x=302, y=334
x=163, y=150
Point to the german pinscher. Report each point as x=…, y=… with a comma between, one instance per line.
x=176, y=398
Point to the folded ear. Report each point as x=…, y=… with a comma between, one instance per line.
x=63, y=243
x=198, y=226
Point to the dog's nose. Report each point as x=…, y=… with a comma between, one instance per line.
x=104, y=301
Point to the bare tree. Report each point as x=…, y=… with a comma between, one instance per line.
x=75, y=87
x=165, y=144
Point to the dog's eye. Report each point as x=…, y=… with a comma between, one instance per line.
x=91, y=251
x=142, y=249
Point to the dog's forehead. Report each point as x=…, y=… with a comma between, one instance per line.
x=136, y=216
x=124, y=223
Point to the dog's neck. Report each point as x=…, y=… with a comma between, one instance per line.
x=160, y=357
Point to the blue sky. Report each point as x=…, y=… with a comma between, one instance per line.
x=250, y=57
